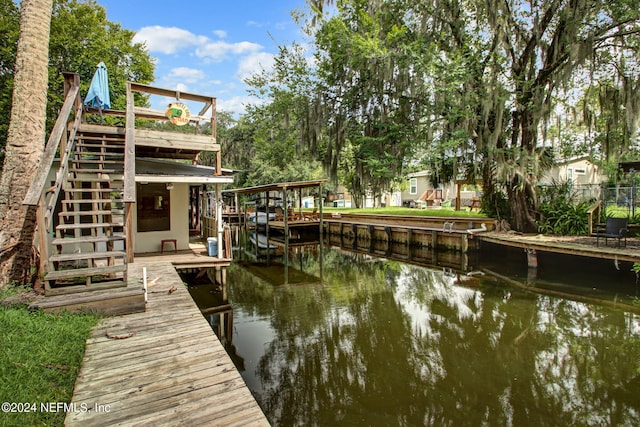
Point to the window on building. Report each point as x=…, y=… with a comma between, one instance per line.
x=580, y=171
x=154, y=208
x=413, y=185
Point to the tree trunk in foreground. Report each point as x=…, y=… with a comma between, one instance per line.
x=25, y=141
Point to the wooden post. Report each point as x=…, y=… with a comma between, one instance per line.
x=354, y=230
x=70, y=80
x=128, y=230
x=532, y=258
x=219, y=219
x=43, y=241
x=286, y=236
x=266, y=229
x=320, y=202
x=238, y=210
x=464, y=243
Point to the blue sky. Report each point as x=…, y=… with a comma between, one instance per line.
x=208, y=47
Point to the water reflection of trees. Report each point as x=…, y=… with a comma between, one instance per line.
x=391, y=344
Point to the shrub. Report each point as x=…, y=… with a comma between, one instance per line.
x=559, y=213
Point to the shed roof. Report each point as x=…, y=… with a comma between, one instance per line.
x=153, y=170
x=629, y=166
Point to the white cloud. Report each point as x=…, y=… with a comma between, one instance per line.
x=220, y=33
x=254, y=63
x=188, y=75
x=219, y=50
x=167, y=40
x=236, y=105
x=181, y=87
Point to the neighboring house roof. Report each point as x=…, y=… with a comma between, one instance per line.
x=570, y=160
x=419, y=174
x=153, y=170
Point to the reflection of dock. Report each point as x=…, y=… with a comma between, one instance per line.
x=160, y=367
x=276, y=274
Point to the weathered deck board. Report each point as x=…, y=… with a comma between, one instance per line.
x=172, y=370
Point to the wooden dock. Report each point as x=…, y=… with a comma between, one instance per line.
x=444, y=233
x=569, y=245
x=161, y=367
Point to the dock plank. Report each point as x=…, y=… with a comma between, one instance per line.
x=170, y=369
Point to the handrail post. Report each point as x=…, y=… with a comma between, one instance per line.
x=213, y=135
x=43, y=241
x=129, y=173
x=71, y=80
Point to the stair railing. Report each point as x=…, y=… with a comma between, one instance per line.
x=39, y=195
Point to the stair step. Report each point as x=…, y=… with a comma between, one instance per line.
x=86, y=239
x=99, y=161
x=81, y=201
x=97, y=144
x=100, y=137
x=118, y=177
x=87, y=255
x=90, y=190
x=89, y=170
x=85, y=272
x=91, y=213
x=89, y=226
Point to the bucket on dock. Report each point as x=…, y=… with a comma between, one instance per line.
x=212, y=246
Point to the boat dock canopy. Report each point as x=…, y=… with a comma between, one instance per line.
x=282, y=186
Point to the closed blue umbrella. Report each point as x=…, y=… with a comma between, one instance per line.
x=98, y=95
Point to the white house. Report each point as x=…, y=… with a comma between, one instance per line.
x=580, y=171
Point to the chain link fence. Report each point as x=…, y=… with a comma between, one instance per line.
x=620, y=201
x=617, y=200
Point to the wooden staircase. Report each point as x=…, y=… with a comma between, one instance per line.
x=89, y=243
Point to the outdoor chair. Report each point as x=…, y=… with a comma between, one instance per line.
x=313, y=216
x=615, y=228
x=279, y=216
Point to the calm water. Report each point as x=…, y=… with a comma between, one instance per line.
x=359, y=340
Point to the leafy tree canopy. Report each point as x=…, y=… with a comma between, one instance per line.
x=81, y=37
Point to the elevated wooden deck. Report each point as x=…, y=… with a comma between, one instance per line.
x=161, y=367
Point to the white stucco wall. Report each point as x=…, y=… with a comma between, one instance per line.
x=150, y=241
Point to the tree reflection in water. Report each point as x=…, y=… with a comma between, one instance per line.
x=386, y=343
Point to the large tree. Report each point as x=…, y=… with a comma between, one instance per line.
x=25, y=141
x=9, y=29
x=480, y=78
x=78, y=36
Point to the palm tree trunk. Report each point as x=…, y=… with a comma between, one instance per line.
x=25, y=141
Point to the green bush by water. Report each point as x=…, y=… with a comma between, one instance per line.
x=40, y=359
x=560, y=214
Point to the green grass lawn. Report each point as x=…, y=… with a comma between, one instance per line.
x=40, y=358
x=393, y=210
